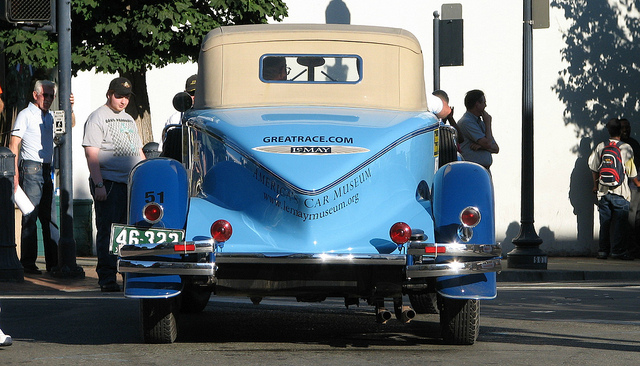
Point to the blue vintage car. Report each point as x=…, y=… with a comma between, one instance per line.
x=310, y=166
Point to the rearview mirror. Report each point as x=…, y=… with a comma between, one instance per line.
x=182, y=101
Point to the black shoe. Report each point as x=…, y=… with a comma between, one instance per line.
x=622, y=257
x=602, y=255
x=110, y=287
x=32, y=270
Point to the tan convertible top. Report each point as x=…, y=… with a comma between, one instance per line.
x=229, y=67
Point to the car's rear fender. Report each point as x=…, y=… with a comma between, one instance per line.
x=456, y=186
x=164, y=181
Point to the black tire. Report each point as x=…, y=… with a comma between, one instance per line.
x=459, y=320
x=447, y=146
x=158, y=318
x=425, y=303
x=194, y=299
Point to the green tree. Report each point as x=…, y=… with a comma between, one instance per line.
x=128, y=37
x=28, y=56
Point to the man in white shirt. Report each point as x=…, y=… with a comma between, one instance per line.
x=32, y=143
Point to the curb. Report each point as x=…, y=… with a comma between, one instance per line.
x=565, y=275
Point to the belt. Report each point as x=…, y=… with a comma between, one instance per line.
x=33, y=162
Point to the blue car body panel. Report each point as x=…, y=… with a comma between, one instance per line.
x=452, y=192
x=298, y=202
x=476, y=286
x=152, y=286
x=164, y=181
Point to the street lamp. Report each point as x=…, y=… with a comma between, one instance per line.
x=527, y=253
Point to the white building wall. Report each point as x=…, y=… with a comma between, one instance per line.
x=492, y=62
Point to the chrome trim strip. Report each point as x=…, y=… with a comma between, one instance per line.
x=201, y=246
x=457, y=250
x=287, y=149
x=173, y=268
x=454, y=268
x=359, y=259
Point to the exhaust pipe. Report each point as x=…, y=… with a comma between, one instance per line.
x=406, y=314
x=383, y=315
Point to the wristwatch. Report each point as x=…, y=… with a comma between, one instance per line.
x=99, y=185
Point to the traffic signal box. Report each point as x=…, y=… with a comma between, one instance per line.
x=28, y=12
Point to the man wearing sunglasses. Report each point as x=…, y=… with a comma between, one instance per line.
x=32, y=143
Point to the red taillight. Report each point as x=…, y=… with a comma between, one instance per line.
x=470, y=216
x=434, y=250
x=184, y=247
x=152, y=212
x=400, y=233
x=221, y=230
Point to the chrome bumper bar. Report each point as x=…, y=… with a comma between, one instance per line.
x=461, y=259
x=453, y=268
x=172, y=268
x=185, y=247
x=455, y=250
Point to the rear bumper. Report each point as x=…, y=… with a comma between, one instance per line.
x=445, y=259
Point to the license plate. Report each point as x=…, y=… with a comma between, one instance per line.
x=124, y=234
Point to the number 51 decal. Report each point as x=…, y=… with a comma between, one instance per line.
x=152, y=196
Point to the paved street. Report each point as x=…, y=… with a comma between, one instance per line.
x=587, y=323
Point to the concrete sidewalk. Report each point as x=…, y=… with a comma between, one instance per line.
x=572, y=269
x=569, y=269
x=45, y=284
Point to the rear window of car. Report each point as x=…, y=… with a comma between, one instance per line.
x=340, y=69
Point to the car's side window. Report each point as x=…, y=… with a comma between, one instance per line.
x=339, y=69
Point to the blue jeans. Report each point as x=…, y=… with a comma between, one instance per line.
x=111, y=211
x=614, y=214
x=35, y=180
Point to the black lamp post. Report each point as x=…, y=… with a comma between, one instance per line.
x=527, y=253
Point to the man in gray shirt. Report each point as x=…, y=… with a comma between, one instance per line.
x=475, y=126
x=112, y=147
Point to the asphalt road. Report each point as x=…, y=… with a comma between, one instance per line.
x=562, y=323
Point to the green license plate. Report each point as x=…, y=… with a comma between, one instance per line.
x=124, y=234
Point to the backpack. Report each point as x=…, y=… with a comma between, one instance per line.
x=611, y=170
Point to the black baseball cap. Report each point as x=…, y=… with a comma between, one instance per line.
x=121, y=86
x=190, y=86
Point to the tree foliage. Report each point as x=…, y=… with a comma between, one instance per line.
x=129, y=37
x=38, y=48
x=133, y=35
x=602, y=73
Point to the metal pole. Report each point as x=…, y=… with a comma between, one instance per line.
x=527, y=253
x=436, y=50
x=10, y=267
x=67, y=266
